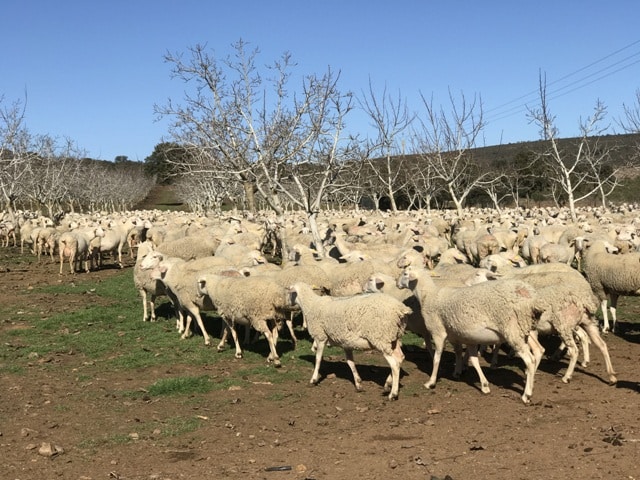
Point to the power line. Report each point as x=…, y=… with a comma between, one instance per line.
x=521, y=106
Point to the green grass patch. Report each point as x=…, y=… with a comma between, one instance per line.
x=181, y=386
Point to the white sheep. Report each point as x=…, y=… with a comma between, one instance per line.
x=610, y=276
x=383, y=283
x=312, y=274
x=148, y=287
x=256, y=301
x=74, y=245
x=361, y=322
x=501, y=311
x=180, y=280
x=569, y=305
x=191, y=247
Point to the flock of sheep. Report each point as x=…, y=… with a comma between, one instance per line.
x=487, y=279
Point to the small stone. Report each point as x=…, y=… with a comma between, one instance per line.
x=49, y=450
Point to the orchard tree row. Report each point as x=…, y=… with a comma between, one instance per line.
x=45, y=174
x=266, y=137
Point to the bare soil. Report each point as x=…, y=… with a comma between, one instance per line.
x=584, y=429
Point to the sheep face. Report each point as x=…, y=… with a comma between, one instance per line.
x=152, y=260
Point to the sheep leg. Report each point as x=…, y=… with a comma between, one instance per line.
x=472, y=351
x=187, y=327
x=572, y=352
x=394, y=360
x=537, y=350
x=613, y=305
x=143, y=294
x=582, y=336
x=461, y=359
x=272, y=337
x=234, y=335
x=525, y=353
x=605, y=315
x=224, y=335
x=320, y=344
x=289, y=322
x=494, y=356
x=196, y=314
x=594, y=336
x=437, y=355
x=152, y=308
x=352, y=365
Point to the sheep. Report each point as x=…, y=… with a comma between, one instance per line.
x=383, y=283
x=570, y=305
x=487, y=313
x=558, y=252
x=121, y=229
x=349, y=278
x=135, y=237
x=180, y=280
x=110, y=242
x=46, y=241
x=190, y=248
x=502, y=262
x=312, y=274
x=362, y=322
x=7, y=232
x=74, y=245
x=610, y=276
x=146, y=286
x=256, y=301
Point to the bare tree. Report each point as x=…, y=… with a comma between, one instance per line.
x=421, y=186
x=630, y=121
x=52, y=172
x=278, y=141
x=445, y=143
x=585, y=168
x=390, y=118
x=15, y=153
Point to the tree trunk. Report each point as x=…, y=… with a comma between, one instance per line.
x=249, y=193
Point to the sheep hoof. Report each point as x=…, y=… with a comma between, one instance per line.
x=238, y=355
x=526, y=399
x=276, y=363
x=485, y=389
x=566, y=379
x=612, y=380
x=584, y=364
x=429, y=385
x=393, y=396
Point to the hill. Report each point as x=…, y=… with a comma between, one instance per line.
x=623, y=149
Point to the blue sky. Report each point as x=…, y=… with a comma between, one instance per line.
x=92, y=71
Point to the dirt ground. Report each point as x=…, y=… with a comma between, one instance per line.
x=585, y=429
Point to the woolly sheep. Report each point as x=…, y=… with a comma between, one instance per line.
x=190, y=248
x=502, y=311
x=180, y=280
x=74, y=245
x=362, y=322
x=610, y=276
x=558, y=252
x=285, y=277
x=569, y=304
x=149, y=288
x=383, y=283
x=256, y=301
